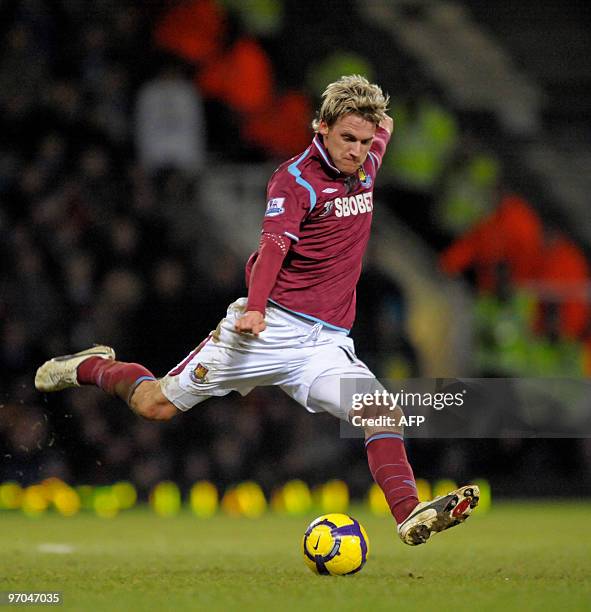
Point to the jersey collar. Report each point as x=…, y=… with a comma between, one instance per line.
x=324, y=154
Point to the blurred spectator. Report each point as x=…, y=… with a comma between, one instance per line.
x=241, y=75
x=469, y=190
x=191, y=29
x=169, y=124
x=23, y=68
x=94, y=62
x=426, y=136
x=110, y=113
x=120, y=296
x=170, y=318
x=283, y=128
x=563, y=283
x=533, y=306
x=99, y=188
x=424, y=140
x=241, y=79
x=503, y=330
x=260, y=17
x=332, y=67
x=511, y=236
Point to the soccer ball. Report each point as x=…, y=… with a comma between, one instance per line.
x=335, y=544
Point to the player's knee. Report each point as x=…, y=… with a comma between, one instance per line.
x=149, y=403
x=378, y=419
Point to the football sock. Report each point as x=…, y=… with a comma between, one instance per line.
x=115, y=377
x=392, y=472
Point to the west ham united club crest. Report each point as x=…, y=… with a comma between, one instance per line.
x=198, y=375
x=364, y=179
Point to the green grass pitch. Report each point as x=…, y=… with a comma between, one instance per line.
x=519, y=556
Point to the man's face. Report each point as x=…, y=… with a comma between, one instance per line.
x=348, y=141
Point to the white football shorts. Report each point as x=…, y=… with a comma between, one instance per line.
x=291, y=353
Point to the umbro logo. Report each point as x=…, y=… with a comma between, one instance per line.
x=329, y=190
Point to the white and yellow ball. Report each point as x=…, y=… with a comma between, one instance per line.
x=335, y=545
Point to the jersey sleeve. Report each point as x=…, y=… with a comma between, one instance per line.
x=285, y=208
x=263, y=273
x=378, y=147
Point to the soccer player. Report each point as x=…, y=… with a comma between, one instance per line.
x=292, y=330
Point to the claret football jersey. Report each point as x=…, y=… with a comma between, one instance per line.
x=327, y=217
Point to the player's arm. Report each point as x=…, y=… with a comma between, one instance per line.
x=281, y=225
x=387, y=124
x=272, y=251
x=380, y=141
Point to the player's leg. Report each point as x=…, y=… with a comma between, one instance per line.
x=96, y=366
x=384, y=444
x=148, y=401
x=386, y=456
x=317, y=386
x=390, y=468
x=389, y=465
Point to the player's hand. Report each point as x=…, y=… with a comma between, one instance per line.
x=387, y=124
x=251, y=322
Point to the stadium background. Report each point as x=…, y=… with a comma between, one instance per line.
x=136, y=141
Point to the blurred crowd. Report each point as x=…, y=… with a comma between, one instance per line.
x=110, y=113
x=531, y=279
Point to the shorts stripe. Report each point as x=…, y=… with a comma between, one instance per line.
x=178, y=369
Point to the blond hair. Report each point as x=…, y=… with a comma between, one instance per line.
x=352, y=94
